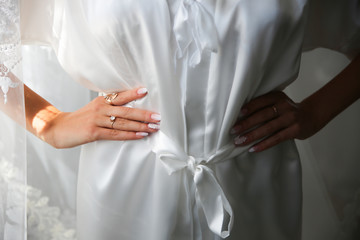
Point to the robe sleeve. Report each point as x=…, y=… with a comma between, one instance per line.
x=335, y=25
x=40, y=21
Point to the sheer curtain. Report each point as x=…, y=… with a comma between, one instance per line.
x=41, y=204
x=51, y=172
x=12, y=133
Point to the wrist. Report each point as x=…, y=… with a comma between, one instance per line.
x=44, y=123
x=312, y=120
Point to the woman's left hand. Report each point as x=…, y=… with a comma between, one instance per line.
x=274, y=118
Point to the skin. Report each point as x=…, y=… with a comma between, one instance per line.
x=90, y=123
x=296, y=120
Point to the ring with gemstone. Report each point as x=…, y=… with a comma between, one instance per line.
x=110, y=97
x=112, y=120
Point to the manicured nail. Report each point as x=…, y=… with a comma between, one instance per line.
x=154, y=126
x=155, y=117
x=240, y=140
x=236, y=129
x=142, y=134
x=253, y=149
x=142, y=91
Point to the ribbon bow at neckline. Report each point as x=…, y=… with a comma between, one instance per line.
x=195, y=31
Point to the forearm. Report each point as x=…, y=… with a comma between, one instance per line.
x=39, y=113
x=335, y=96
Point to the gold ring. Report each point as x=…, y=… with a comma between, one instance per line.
x=110, y=97
x=275, y=110
x=112, y=120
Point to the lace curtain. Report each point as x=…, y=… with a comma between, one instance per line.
x=25, y=210
x=52, y=173
x=12, y=136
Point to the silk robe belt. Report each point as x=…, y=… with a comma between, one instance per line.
x=211, y=198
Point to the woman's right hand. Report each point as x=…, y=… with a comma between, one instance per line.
x=92, y=122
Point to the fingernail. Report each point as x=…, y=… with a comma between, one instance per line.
x=156, y=117
x=142, y=134
x=235, y=130
x=244, y=111
x=240, y=140
x=154, y=126
x=142, y=91
x=253, y=149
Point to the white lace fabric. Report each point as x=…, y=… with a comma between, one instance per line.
x=25, y=212
x=12, y=137
x=9, y=43
x=46, y=221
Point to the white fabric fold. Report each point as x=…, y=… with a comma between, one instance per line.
x=193, y=24
x=211, y=197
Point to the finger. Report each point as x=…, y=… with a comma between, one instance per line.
x=259, y=117
x=284, y=135
x=283, y=105
x=128, y=125
x=134, y=114
x=263, y=101
x=125, y=97
x=114, y=134
x=270, y=128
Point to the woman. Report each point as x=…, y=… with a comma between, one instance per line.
x=212, y=71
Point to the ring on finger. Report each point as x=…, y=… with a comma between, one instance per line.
x=276, y=112
x=112, y=120
x=110, y=97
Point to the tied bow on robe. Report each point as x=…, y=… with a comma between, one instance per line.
x=210, y=196
x=195, y=31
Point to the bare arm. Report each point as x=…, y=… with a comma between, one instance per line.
x=280, y=119
x=39, y=113
x=335, y=96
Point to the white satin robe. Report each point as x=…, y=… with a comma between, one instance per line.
x=201, y=60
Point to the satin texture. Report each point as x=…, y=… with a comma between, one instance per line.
x=201, y=61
